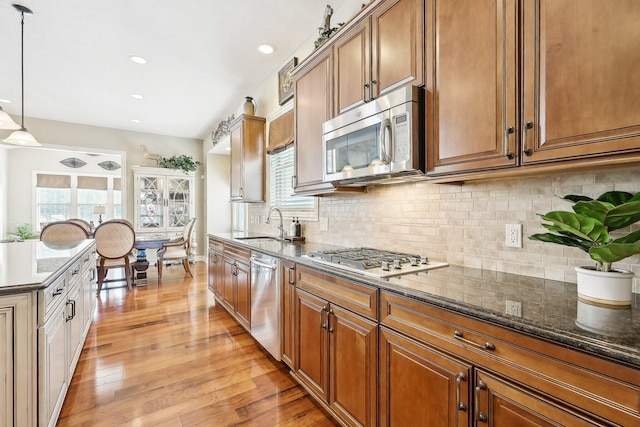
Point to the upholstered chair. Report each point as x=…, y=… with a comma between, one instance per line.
x=114, y=242
x=177, y=249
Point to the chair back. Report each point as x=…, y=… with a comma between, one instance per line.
x=82, y=223
x=186, y=234
x=63, y=233
x=114, y=239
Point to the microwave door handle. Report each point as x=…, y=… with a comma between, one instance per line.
x=386, y=157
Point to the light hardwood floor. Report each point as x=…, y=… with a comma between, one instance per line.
x=167, y=355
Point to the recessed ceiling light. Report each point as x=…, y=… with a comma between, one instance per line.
x=138, y=59
x=135, y=120
x=266, y=49
x=136, y=96
x=5, y=101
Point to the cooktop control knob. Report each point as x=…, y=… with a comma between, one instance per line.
x=414, y=261
x=384, y=265
x=396, y=264
x=424, y=260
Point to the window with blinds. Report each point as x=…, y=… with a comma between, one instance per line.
x=63, y=196
x=281, y=170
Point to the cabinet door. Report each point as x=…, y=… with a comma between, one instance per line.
x=353, y=362
x=421, y=386
x=179, y=201
x=351, y=53
x=472, y=119
x=243, y=294
x=53, y=365
x=287, y=276
x=311, y=335
x=313, y=106
x=504, y=404
x=581, y=92
x=236, y=164
x=150, y=202
x=75, y=308
x=228, y=290
x=397, y=56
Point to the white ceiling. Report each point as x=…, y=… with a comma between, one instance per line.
x=202, y=58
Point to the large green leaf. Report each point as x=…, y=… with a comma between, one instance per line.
x=562, y=240
x=580, y=226
x=622, y=216
x=616, y=197
x=613, y=252
x=629, y=238
x=593, y=209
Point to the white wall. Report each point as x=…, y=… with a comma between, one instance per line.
x=3, y=192
x=217, y=194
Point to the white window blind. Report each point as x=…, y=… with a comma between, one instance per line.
x=281, y=170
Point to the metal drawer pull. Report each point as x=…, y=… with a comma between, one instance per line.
x=57, y=292
x=292, y=276
x=480, y=416
x=73, y=310
x=329, y=313
x=460, y=336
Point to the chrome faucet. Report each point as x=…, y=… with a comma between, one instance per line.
x=281, y=226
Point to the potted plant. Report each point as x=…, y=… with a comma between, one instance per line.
x=23, y=232
x=182, y=162
x=589, y=227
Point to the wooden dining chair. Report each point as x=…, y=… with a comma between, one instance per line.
x=82, y=223
x=62, y=234
x=114, y=242
x=177, y=249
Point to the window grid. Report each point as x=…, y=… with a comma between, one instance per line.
x=281, y=171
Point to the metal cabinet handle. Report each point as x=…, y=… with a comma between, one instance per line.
x=459, y=403
x=293, y=181
x=76, y=271
x=486, y=346
x=525, y=150
x=480, y=416
x=371, y=90
x=73, y=310
x=292, y=277
x=509, y=131
x=364, y=92
x=323, y=325
x=57, y=292
x=329, y=313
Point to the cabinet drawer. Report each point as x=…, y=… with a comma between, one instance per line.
x=51, y=295
x=237, y=253
x=359, y=298
x=89, y=259
x=216, y=245
x=593, y=384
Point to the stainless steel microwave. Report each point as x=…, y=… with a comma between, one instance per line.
x=381, y=141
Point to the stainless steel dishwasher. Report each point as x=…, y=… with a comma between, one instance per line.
x=265, y=302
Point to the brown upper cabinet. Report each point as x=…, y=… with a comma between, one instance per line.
x=381, y=51
x=313, y=104
x=531, y=82
x=247, y=159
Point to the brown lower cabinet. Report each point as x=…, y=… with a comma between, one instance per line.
x=337, y=350
x=288, y=302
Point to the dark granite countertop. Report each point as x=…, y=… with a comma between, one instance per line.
x=550, y=309
x=32, y=264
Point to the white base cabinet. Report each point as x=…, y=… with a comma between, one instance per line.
x=17, y=355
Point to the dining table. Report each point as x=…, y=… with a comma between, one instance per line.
x=142, y=243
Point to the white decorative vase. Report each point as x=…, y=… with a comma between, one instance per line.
x=605, y=287
x=249, y=106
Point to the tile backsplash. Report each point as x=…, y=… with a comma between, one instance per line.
x=465, y=224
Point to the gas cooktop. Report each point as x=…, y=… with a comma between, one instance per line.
x=375, y=262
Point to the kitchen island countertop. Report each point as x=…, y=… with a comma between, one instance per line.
x=550, y=309
x=32, y=264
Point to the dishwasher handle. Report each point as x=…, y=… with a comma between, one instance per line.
x=259, y=263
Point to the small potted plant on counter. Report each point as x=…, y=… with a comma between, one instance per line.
x=589, y=228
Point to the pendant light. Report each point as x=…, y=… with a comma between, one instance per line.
x=22, y=136
x=6, y=122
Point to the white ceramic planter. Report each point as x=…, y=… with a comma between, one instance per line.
x=605, y=287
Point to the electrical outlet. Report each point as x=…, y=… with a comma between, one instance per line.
x=513, y=235
x=513, y=308
x=324, y=224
